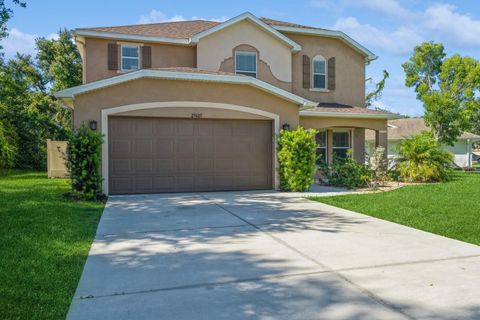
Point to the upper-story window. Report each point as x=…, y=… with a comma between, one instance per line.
x=246, y=63
x=130, y=57
x=319, y=73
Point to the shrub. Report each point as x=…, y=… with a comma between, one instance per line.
x=346, y=172
x=297, y=158
x=422, y=159
x=83, y=161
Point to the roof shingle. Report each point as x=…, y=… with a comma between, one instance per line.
x=179, y=29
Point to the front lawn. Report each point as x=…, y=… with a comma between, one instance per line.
x=44, y=241
x=450, y=209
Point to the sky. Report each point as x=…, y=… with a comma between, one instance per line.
x=389, y=28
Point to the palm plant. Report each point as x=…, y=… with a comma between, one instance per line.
x=422, y=159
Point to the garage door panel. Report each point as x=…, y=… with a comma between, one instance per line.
x=143, y=165
x=143, y=146
x=121, y=146
x=149, y=155
x=121, y=166
x=144, y=127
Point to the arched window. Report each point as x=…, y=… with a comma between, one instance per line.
x=319, y=72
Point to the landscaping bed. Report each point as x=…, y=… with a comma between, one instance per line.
x=450, y=209
x=44, y=241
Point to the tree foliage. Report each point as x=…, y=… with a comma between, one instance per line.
x=29, y=110
x=297, y=157
x=377, y=93
x=448, y=88
x=60, y=61
x=6, y=14
x=422, y=159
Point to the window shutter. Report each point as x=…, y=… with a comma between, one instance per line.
x=146, y=57
x=331, y=73
x=306, y=72
x=112, y=56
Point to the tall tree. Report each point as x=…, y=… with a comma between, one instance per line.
x=60, y=61
x=448, y=88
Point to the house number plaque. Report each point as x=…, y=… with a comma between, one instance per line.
x=196, y=115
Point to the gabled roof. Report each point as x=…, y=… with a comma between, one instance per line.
x=186, y=32
x=402, y=128
x=345, y=111
x=188, y=74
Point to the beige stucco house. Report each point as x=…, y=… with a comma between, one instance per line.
x=197, y=105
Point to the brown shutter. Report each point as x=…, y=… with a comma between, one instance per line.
x=146, y=57
x=306, y=72
x=112, y=56
x=331, y=73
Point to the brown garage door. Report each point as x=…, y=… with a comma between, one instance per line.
x=150, y=155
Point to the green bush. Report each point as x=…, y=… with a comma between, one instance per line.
x=297, y=158
x=346, y=172
x=422, y=159
x=83, y=161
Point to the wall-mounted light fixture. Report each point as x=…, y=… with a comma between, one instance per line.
x=93, y=125
x=286, y=126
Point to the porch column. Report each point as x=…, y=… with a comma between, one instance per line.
x=329, y=146
x=381, y=139
x=358, y=144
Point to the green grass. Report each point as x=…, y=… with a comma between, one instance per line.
x=44, y=242
x=476, y=165
x=449, y=209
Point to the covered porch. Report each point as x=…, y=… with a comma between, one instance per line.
x=342, y=128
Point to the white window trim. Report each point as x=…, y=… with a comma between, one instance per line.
x=121, y=57
x=350, y=140
x=247, y=53
x=319, y=57
x=326, y=145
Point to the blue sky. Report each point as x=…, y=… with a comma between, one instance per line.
x=390, y=28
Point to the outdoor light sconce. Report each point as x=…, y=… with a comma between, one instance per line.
x=93, y=125
x=286, y=126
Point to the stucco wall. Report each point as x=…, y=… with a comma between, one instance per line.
x=88, y=106
x=326, y=122
x=163, y=56
x=215, y=48
x=349, y=70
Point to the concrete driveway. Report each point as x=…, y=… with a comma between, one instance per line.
x=267, y=255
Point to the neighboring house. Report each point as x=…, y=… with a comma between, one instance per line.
x=403, y=128
x=197, y=105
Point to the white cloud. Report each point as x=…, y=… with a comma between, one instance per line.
x=447, y=25
x=400, y=41
x=17, y=41
x=389, y=7
x=158, y=16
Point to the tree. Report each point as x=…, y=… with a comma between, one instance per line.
x=377, y=93
x=60, y=61
x=447, y=87
x=5, y=15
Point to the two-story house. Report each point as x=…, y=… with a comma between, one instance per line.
x=197, y=105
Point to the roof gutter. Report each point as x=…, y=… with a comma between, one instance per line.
x=348, y=115
x=70, y=93
x=132, y=37
x=369, y=56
